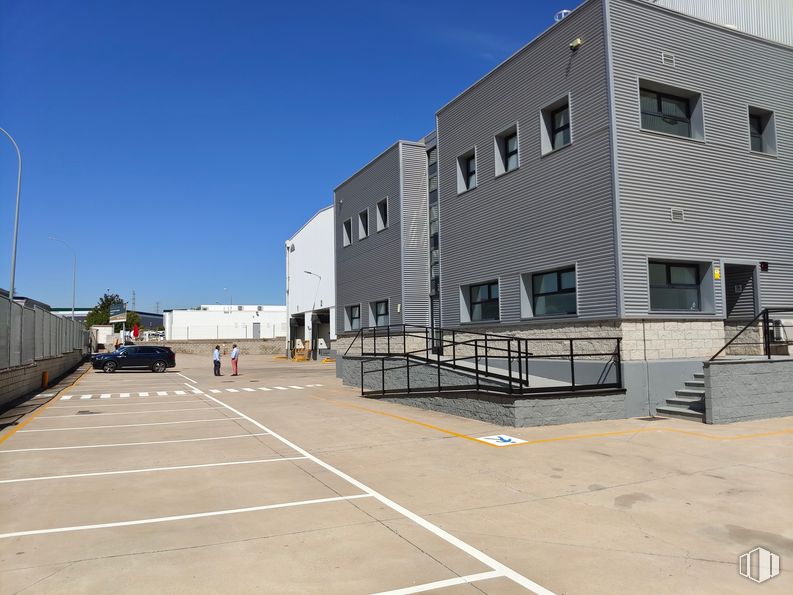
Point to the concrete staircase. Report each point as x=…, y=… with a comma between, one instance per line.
x=688, y=402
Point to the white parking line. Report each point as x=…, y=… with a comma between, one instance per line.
x=460, y=580
x=293, y=386
x=167, y=519
x=86, y=396
x=143, y=394
x=503, y=569
x=127, y=404
x=124, y=395
x=151, y=470
x=2, y=452
x=262, y=388
x=162, y=393
x=180, y=392
x=280, y=388
x=135, y=412
x=104, y=396
x=159, y=423
x=214, y=390
x=186, y=378
x=66, y=397
x=249, y=390
x=232, y=390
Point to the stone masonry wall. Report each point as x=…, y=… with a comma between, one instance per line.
x=738, y=390
x=18, y=382
x=671, y=339
x=205, y=347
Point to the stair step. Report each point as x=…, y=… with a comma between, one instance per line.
x=690, y=392
x=680, y=412
x=695, y=383
x=699, y=375
x=689, y=402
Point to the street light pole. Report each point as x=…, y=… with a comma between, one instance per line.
x=16, y=215
x=316, y=291
x=74, y=270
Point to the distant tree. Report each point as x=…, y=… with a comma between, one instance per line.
x=160, y=328
x=133, y=318
x=100, y=314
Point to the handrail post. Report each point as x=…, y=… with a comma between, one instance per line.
x=374, y=338
x=361, y=377
x=766, y=333
x=520, y=368
x=476, y=361
x=407, y=371
x=382, y=370
x=388, y=339
x=426, y=343
x=404, y=339
x=572, y=366
x=509, y=363
x=486, y=366
x=438, y=364
x=454, y=349
x=619, y=363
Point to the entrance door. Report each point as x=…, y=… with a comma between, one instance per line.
x=257, y=330
x=739, y=289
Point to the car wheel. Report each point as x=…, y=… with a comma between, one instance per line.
x=110, y=366
x=158, y=367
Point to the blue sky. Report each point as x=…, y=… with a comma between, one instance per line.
x=176, y=145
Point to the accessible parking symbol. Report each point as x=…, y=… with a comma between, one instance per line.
x=758, y=565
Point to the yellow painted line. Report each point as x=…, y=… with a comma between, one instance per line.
x=41, y=409
x=561, y=438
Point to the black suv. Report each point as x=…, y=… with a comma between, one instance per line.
x=156, y=359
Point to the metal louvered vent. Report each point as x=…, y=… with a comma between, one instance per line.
x=667, y=59
x=678, y=215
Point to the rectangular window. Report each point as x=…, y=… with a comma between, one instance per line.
x=466, y=171
x=363, y=224
x=433, y=183
x=511, y=152
x=762, y=131
x=665, y=112
x=382, y=214
x=470, y=172
x=354, y=317
x=381, y=313
x=554, y=293
x=484, y=301
x=674, y=286
x=432, y=156
x=346, y=230
x=506, y=147
x=556, y=126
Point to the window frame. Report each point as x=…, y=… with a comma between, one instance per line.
x=489, y=300
x=363, y=228
x=696, y=108
x=464, y=173
x=377, y=315
x=659, y=97
x=668, y=264
x=767, y=133
x=556, y=129
x=351, y=319
x=502, y=152
x=548, y=128
x=559, y=291
x=382, y=214
x=346, y=232
x=469, y=173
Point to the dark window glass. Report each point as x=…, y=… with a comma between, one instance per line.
x=666, y=113
x=554, y=293
x=432, y=156
x=433, y=181
x=355, y=317
x=347, y=232
x=756, y=132
x=674, y=286
x=560, y=127
x=484, y=301
x=382, y=215
x=470, y=172
x=381, y=313
x=363, y=219
x=510, y=152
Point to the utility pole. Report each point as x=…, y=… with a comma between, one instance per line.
x=133, y=300
x=156, y=307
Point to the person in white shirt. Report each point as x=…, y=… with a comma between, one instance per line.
x=216, y=360
x=235, y=358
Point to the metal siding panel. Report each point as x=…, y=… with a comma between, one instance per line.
x=737, y=204
x=370, y=269
x=554, y=210
x=415, y=232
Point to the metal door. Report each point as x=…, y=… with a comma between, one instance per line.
x=257, y=330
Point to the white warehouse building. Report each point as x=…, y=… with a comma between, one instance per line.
x=311, y=285
x=225, y=322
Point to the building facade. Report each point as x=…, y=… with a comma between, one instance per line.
x=382, y=243
x=311, y=285
x=627, y=174
x=216, y=321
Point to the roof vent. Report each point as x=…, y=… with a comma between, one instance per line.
x=678, y=215
x=561, y=14
x=668, y=59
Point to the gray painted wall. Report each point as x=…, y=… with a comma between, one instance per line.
x=555, y=210
x=370, y=269
x=743, y=390
x=737, y=203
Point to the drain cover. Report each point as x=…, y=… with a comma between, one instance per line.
x=652, y=418
x=86, y=412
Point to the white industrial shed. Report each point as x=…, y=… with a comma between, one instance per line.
x=225, y=322
x=311, y=284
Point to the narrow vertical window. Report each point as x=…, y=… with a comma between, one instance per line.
x=762, y=131
x=346, y=232
x=381, y=317
x=560, y=134
x=363, y=224
x=470, y=172
x=382, y=214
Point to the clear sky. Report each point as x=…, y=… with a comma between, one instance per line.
x=175, y=145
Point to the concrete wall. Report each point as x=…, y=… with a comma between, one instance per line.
x=748, y=389
x=231, y=323
x=205, y=347
x=20, y=381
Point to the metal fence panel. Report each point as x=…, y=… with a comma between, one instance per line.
x=16, y=334
x=28, y=337
x=39, y=332
x=4, y=336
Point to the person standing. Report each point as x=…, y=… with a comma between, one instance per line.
x=235, y=358
x=216, y=360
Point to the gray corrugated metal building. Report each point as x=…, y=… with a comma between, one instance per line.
x=628, y=171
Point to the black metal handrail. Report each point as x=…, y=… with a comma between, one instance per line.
x=767, y=327
x=489, y=350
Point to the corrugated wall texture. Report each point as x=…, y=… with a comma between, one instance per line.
x=555, y=210
x=415, y=238
x=370, y=269
x=771, y=19
x=738, y=205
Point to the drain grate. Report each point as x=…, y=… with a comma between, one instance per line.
x=652, y=418
x=87, y=412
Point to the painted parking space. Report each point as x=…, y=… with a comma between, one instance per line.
x=165, y=393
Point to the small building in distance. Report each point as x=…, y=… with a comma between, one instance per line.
x=311, y=285
x=148, y=320
x=216, y=321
